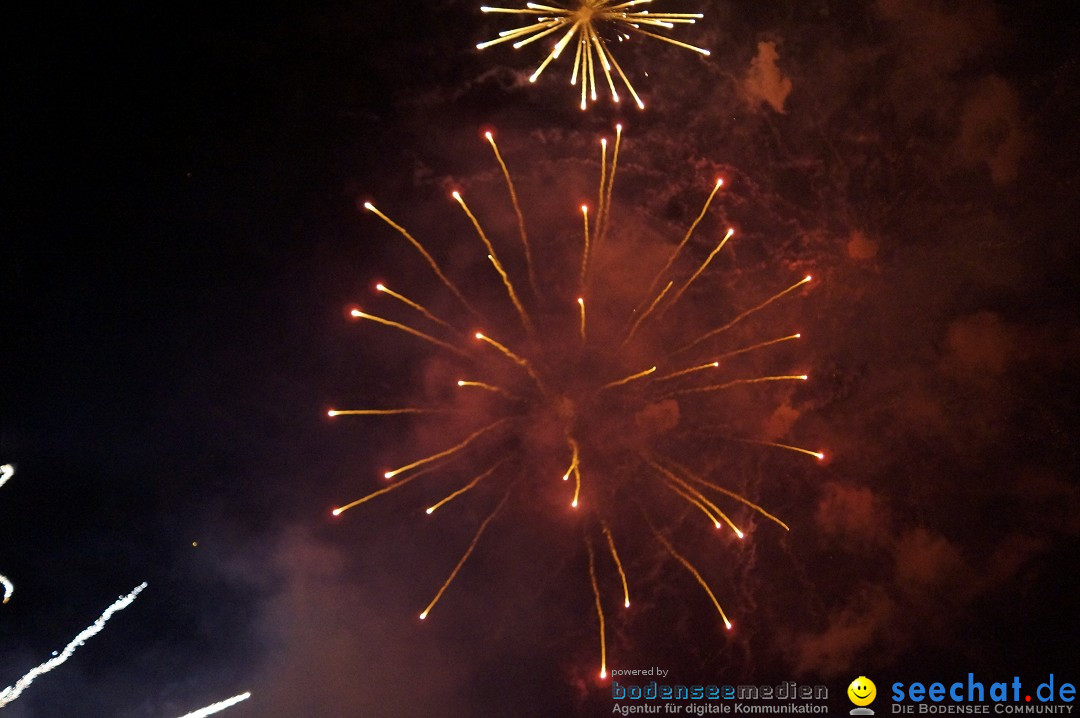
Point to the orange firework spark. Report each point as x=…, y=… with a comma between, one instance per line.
x=592, y=384
x=584, y=24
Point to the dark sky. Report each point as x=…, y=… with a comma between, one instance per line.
x=182, y=231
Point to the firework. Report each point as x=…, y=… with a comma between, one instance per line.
x=588, y=25
x=6, y=472
x=12, y=692
x=593, y=380
x=217, y=707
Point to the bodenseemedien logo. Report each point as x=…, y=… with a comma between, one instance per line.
x=862, y=692
x=682, y=699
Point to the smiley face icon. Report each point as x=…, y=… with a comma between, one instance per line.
x=862, y=691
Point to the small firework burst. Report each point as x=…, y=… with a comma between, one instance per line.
x=590, y=25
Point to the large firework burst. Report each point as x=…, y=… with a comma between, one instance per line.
x=567, y=385
x=590, y=24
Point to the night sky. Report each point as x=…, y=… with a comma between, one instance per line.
x=183, y=231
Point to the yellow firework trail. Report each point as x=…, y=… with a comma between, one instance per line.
x=381, y=412
x=577, y=485
x=489, y=387
x=517, y=211
x=523, y=363
x=641, y=317
x=735, y=382
x=627, y=380
x=690, y=370
x=589, y=21
x=385, y=490
x=689, y=498
x=494, y=259
x=685, y=239
x=727, y=355
x=603, y=180
x=356, y=313
x=574, y=470
x=599, y=608
x=585, y=251
x=618, y=564
x=696, y=497
x=418, y=307
x=787, y=447
x=12, y=692
x=448, y=452
x=604, y=221
x=690, y=567
x=573, y=459
x=726, y=492
x=468, y=552
x=719, y=330
x=704, y=265
x=217, y=707
x=469, y=486
x=759, y=345
x=420, y=247
x=525, y=321
x=581, y=308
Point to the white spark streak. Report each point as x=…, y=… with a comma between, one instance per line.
x=6, y=472
x=10, y=693
x=217, y=707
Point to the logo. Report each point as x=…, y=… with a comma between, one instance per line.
x=862, y=693
x=974, y=696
